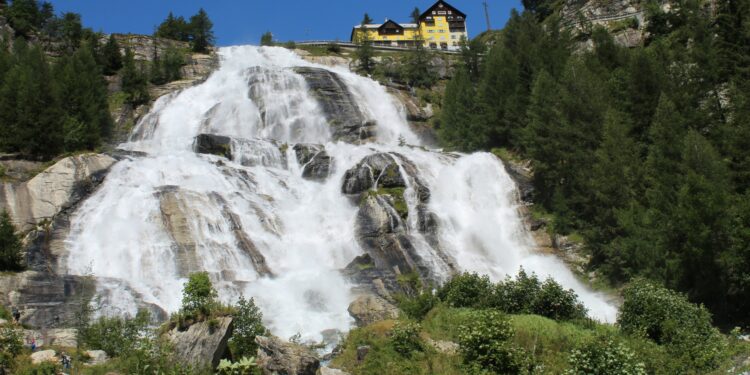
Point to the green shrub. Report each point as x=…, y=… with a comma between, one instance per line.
x=604, y=356
x=418, y=306
x=486, y=345
x=668, y=318
x=10, y=245
x=44, y=368
x=467, y=290
x=405, y=338
x=248, y=323
x=245, y=366
x=117, y=335
x=10, y=346
x=557, y=303
x=198, y=295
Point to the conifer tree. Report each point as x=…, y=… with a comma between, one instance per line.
x=71, y=30
x=365, y=52
x=458, y=126
x=10, y=245
x=417, y=68
x=266, y=39
x=24, y=16
x=83, y=94
x=175, y=28
x=201, y=29
x=134, y=81
x=112, y=56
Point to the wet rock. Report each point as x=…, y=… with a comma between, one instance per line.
x=57, y=188
x=314, y=160
x=97, y=357
x=44, y=356
x=279, y=357
x=523, y=176
x=368, y=309
x=338, y=105
x=373, y=172
x=203, y=344
x=214, y=145
x=446, y=347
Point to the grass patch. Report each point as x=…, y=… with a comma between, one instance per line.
x=506, y=155
x=117, y=100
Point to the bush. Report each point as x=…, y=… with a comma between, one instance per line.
x=557, y=303
x=486, y=345
x=10, y=346
x=417, y=307
x=405, y=338
x=248, y=323
x=44, y=368
x=116, y=336
x=198, y=295
x=467, y=290
x=245, y=366
x=604, y=357
x=668, y=318
x=10, y=245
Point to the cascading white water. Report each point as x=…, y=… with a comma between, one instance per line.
x=132, y=234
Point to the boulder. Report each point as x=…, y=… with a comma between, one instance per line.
x=362, y=352
x=368, y=309
x=314, y=161
x=97, y=357
x=213, y=144
x=57, y=188
x=59, y=337
x=202, y=344
x=338, y=105
x=280, y=357
x=44, y=356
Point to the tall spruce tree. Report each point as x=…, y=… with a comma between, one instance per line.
x=458, y=125
x=112, y=56
x=29, y=110
x=83, y=95
x=417, y=69
x=134, y=80
x=10, y=245
x=201, y=29
x=24, y=16
x=365, y=53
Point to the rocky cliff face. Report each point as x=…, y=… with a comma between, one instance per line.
x=626, y=19
x=196, y=69
x=202, y=344
x=344, y=116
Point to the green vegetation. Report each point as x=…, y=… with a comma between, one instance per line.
x=167, y=68
x=198, y=295
x=117, y=336
x=248, y=323
x=134, y=80
x=198, y=31
x=489, y=341
x=266, y=39
x=365, y=54
x=643, y=152
x=10, y=246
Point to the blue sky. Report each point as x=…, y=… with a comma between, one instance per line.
x=243, y=21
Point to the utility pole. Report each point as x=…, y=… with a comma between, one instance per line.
x=487, y=15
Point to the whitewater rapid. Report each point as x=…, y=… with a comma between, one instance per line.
x=304, y=229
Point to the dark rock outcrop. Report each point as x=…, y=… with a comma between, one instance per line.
x=379, y=182
x=314, y=160
x=338, y=105
x=284, y=358
x=213, y=144
x=202, y=344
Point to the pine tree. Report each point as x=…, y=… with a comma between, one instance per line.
x=134, y=81
x=10, y=245
x=29, y=109
x=83, y=94
x=365, y=52
x=615, y=185
x=700, y=222
x=417, y=68
x=112, y=56
x=24, y=16
x=501, y=102
x=266, y=39
x=72, y=31
x=458, y=126
x=201, y=29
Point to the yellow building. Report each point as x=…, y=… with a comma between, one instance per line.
x=441, y=26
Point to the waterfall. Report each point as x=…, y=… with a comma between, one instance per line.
x=262, y=230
